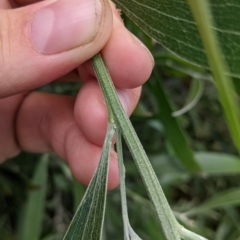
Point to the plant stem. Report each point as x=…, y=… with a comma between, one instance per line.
x=155, y=192
x=224, y=84
x=188, y=235
x=122, y=185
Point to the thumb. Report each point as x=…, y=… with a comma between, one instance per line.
x=46, y=40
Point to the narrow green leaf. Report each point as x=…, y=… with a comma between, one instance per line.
x=194, y=95
x=155, y=192
x=174, y=132
x=165, y=58
x=31, y=216
x=230, y=197
x=87, y=222
x=188, y=235
x=227, y=95
x=212, y=163
x=215, y=163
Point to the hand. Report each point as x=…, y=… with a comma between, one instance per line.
x=44, y=41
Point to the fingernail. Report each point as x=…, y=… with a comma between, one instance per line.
x=124, y=99
x=65, y=24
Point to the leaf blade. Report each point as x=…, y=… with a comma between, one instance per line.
x=230, y=197
x=174, y=131
x=32, y=215
x=90, y=213
x=171, y=23
x=194, y=95
x=214, y=163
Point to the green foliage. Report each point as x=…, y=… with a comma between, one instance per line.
x=32, y=214
x=174, y=131
x=171, y=23
x=229, y=197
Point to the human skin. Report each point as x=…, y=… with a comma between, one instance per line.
x=73, y=128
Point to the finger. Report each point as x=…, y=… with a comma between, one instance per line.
x=8, y=109
x=26, y=2
x=73, y=76
x=43, y=41
x=129, y=62
x=46, y=122
x=4, y=4
x=90, y=110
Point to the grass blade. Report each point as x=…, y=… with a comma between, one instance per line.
x=226, y=198
x=31, y=220
x=194, y=95
x=174, y=132
x=87, y=222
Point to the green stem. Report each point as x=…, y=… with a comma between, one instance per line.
x=188, y=235
x=225, y=87
x=122, y=185
x=169, y=223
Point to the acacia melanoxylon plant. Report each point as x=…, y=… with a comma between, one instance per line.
x=188, y=28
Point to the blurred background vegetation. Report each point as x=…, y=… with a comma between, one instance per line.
x=38, y=195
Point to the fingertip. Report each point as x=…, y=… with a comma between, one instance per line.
x=83, y=162
x=85, y=176
x=90, y=112
x=129, y=61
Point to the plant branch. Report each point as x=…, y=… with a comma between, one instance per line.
x=188, y=235
x=155, y=192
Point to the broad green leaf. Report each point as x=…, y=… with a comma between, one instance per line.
x=31, y=216
x=215, y=163
x=230, y=197
x=174, y=132
x=195, y=93
x=87, y=222
x=171, y=23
